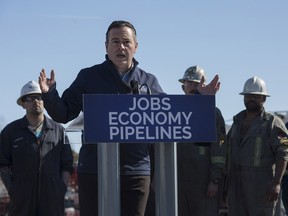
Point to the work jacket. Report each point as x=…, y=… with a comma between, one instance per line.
x=252, y=163
x=262, y=145
x=36, y=164
x=103, y=79
x=205, y=161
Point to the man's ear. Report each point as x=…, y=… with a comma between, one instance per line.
x=136, y=47
x=183, y=88
x=106, y=46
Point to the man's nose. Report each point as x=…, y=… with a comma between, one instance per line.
x=121, y=45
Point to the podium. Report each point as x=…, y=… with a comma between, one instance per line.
x=165, y=179
x=110, y=120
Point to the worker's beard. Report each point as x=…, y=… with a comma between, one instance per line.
x=252, y=106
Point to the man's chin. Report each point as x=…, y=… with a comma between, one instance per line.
x=253, y=109
x=121, y=63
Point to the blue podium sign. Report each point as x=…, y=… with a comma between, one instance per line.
x=149, y=118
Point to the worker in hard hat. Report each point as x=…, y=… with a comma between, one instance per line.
x=201, y=166
x=258, y=154
x=35, y=163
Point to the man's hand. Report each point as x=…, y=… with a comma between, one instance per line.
x=46, y=83
x=211, y=88
x=212, y=189
x=273, y=192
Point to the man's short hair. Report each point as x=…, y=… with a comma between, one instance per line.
x=120, y=24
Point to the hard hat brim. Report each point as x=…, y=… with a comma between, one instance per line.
x=19, y=100
x=191, y=80
x=254, y=93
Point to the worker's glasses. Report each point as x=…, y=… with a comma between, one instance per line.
x=31, y=98
x=254, y=96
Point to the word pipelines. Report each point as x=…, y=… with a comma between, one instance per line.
x=148, y=119
x=151, y=133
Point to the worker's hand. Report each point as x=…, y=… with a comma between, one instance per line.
x=273, y=192
x=211, y=88
x=46, y=83
x=212, y=189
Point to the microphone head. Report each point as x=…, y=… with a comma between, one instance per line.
x=134, y=87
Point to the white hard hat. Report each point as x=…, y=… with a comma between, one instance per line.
x=31, y=87
x=255, y=85
x=194, y=73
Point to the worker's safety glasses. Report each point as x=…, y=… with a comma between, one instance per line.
x=31, y=98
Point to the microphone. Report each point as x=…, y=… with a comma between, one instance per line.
x=134, y=87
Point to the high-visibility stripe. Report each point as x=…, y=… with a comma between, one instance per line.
x=257, y=151
x=202, y=150
x=218, y=160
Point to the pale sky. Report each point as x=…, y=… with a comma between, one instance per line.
x=234, y=39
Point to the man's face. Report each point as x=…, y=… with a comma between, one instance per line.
x=254, y=102
x=189, y=87
x=33, y=104
x=120, y=47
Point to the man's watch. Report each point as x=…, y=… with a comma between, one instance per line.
x=216, y=181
